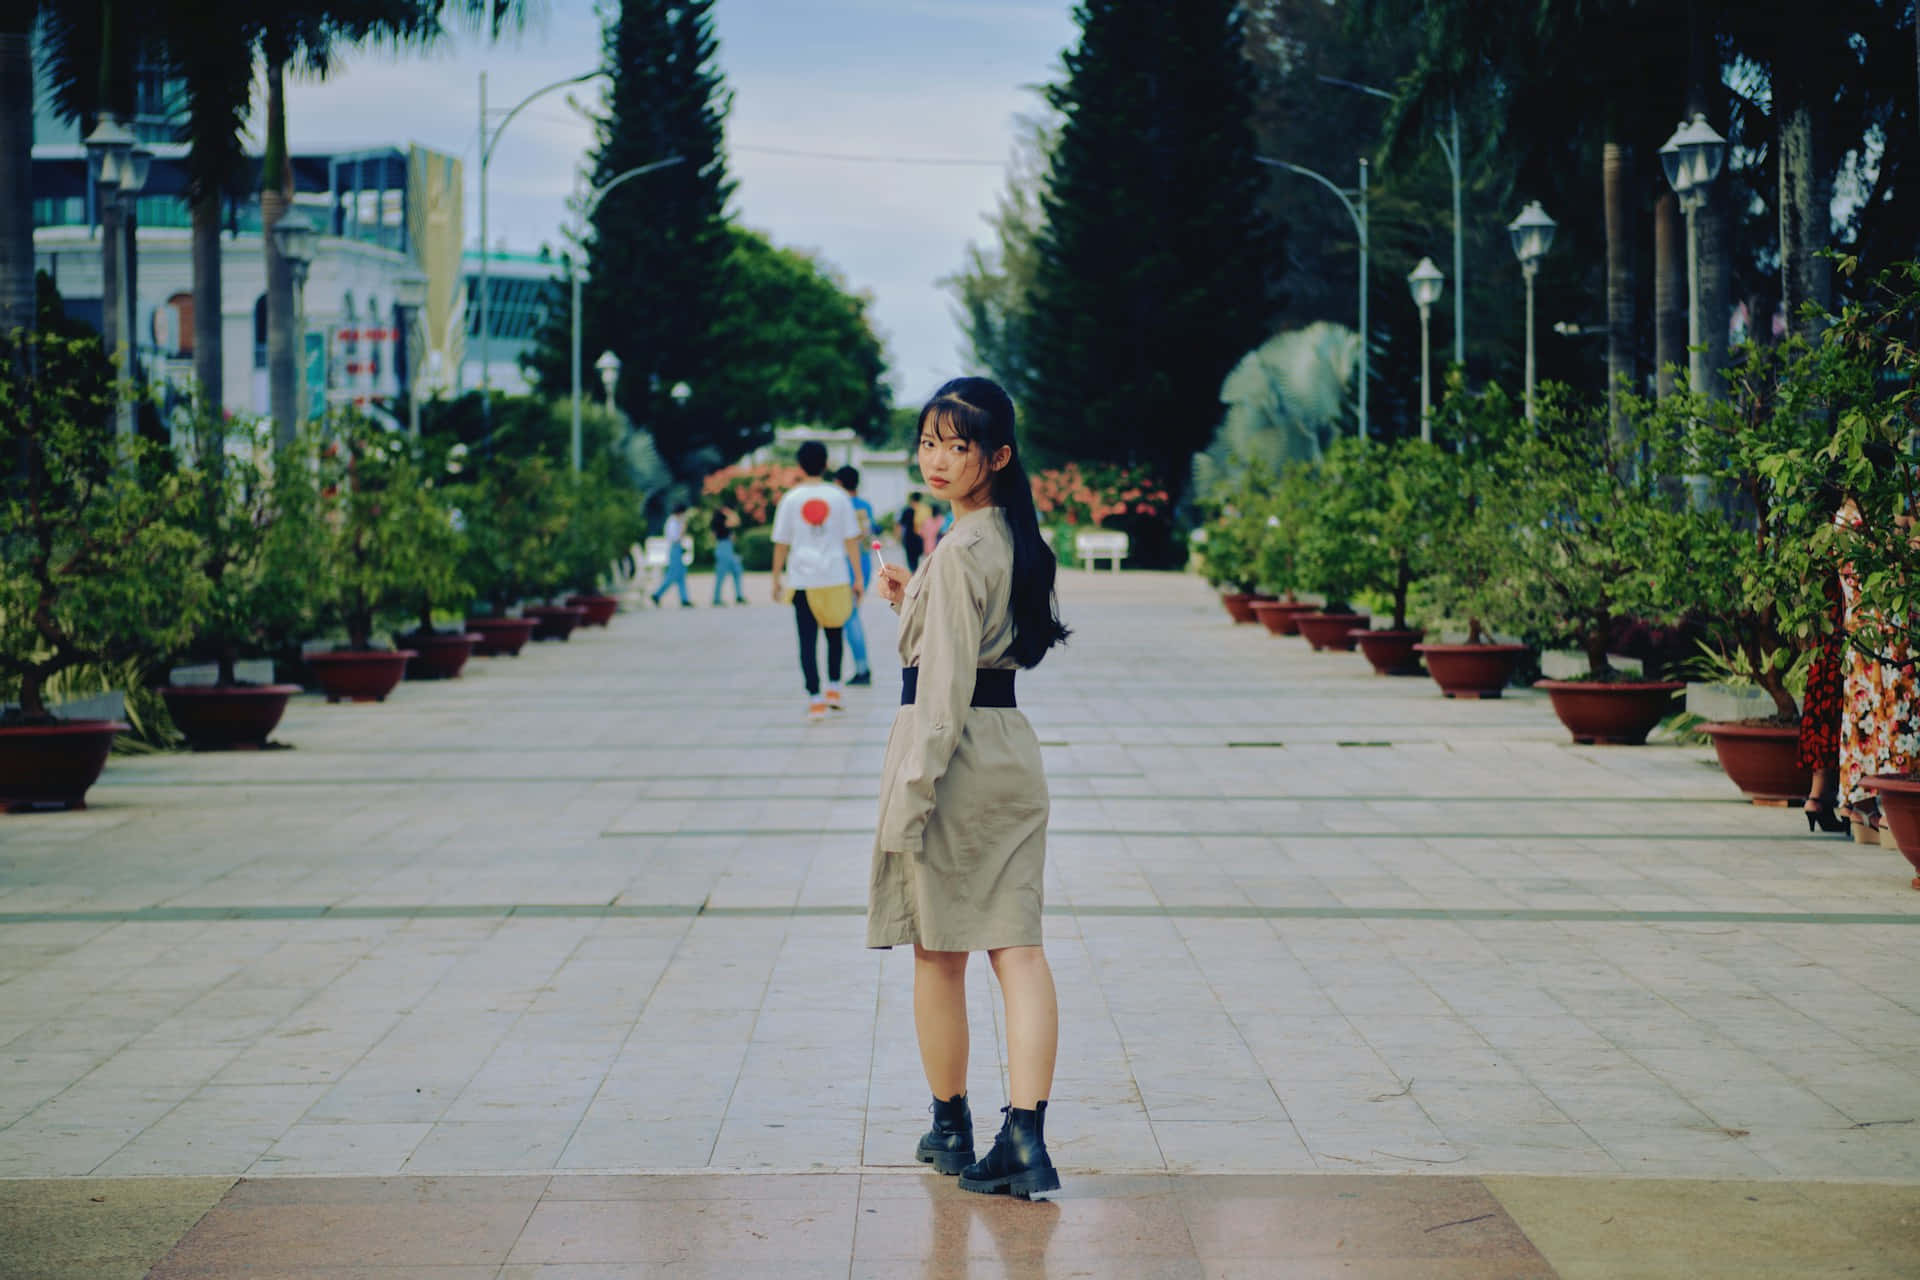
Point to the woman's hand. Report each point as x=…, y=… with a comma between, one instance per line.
x=891, y=583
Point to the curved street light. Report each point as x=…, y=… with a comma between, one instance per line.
x=1359, y=216
x=1427, y=284
x=487, y=144
x=1692, y=158
x=587, y=210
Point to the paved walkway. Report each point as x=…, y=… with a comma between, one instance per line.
x=595, y=912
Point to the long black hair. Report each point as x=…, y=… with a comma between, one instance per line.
x=978, y=411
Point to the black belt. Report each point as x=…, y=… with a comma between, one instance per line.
x=992, y=687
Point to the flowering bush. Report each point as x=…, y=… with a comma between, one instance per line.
x=753, y=492
x=1087, y=497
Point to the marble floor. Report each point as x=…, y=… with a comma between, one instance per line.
x=595, y=912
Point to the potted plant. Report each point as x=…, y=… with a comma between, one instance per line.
x=1466, y=585
x=1587, y=539
x=437, y=585
x=514, y=520
x=604, y=520
x=96, y=565
x=255, y=524
x=1332, y=559
x=1757, y=579
x=1277, y=558
x=376, y=514
x=1398, y=501
x=1230, y=540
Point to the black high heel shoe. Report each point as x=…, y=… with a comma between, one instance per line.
x=1822, y=816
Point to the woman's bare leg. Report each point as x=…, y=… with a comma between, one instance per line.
x=940, y=1016
x=1033, y=1022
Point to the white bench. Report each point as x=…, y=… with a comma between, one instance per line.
x=1100, y=544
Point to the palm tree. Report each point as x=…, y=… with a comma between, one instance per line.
x=17, y=19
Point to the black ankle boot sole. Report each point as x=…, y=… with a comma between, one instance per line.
x=947, y=1162
x=1024, y=1185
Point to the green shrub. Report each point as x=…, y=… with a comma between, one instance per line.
x=755, y=548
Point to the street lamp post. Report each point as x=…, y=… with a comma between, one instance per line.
x=294, y=236
x=587, y=210
x=609, y=367
x=122, y=167
x=1359, y=215
x=1427, y=283
x=1532, y=235
x=1692, y=158
x=487, y=143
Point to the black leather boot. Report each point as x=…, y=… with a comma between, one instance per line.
x=948, y=1146
x=1018, y=1164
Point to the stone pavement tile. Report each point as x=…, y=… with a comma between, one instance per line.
x=1592, y=1228
x=300, y=1226
x=98, y=1229
x=488, y=1146
x=815, y=1228
x=342, y=1148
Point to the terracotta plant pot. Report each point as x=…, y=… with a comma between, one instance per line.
x=1282, y=617
x=600, y=609
x=1471, y=670
x=1239, y=605
x=218, y=717
x=52, y=765
x=1619, y=713
x=1899, y=796
x=349, y=675
x=1390, y=652
x=500, y=636
x=554, y=621
x=1332, y=631
x=441, y=654
x=1762, y=760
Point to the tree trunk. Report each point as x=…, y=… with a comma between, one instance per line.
x=112, y=227
x=1669, y=294
x=16, y=165
x=1616, y=164
x=1715, y=252
x=208, y=354
x=276, y=197
x=1805, y=216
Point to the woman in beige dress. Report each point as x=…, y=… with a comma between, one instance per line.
x=961, y=849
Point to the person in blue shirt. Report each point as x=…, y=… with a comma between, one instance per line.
x=849, y=479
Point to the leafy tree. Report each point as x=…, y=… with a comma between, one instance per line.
x=1155, y=271
x=994, y=288
x=658, y=250
x=516, y=519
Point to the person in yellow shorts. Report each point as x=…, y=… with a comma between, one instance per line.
x=816, y=553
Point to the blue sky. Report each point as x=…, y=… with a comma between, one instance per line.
x=930, y=79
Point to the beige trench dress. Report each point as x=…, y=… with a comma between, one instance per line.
x=961, y=848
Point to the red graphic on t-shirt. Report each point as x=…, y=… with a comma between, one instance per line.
x=815, y=511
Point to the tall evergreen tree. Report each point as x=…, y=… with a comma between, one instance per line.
x=1156, y=270
x=657, y=251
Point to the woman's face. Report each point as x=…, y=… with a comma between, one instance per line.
x=957, y=470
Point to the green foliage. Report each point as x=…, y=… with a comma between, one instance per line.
x=515, y=518
x=602, y=521
x=386, y=543
x=256, y=519
x=1235, y=524
x=1155, y=267
x=1290, y=507
x=995, y=286
x=1382, y=522
x=1468, y=585
x=755, y=548
x=95, y=564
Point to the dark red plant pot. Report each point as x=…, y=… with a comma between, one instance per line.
x=1332, y=631
x=52, y=765
x=1471, y=670
x=500, y=636
x=227, y=717
x=1282, y=617
x=1239, y=605
x=1619, y=713
x=554, y=621
x=440, y=654
x=348, y=675
x=1762, y=760
x=600, y=609
x=1899, y=796
x=1390, y=652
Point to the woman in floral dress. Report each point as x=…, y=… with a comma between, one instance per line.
x=1877, y=730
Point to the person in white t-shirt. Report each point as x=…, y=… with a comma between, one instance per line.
x=816, y=549
x=676, y=536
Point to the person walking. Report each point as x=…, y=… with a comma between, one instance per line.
x=908, y=527
x=816, y=551
x=676, y=534
x=848, y=478
x=726, y=561
x=960, y=851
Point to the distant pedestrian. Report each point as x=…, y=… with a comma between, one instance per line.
x=908, y=527
x=932, y=524
x=726, y=561
x=959, y=860
x=676, y=534
x=816, y=549
x=848, y=478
